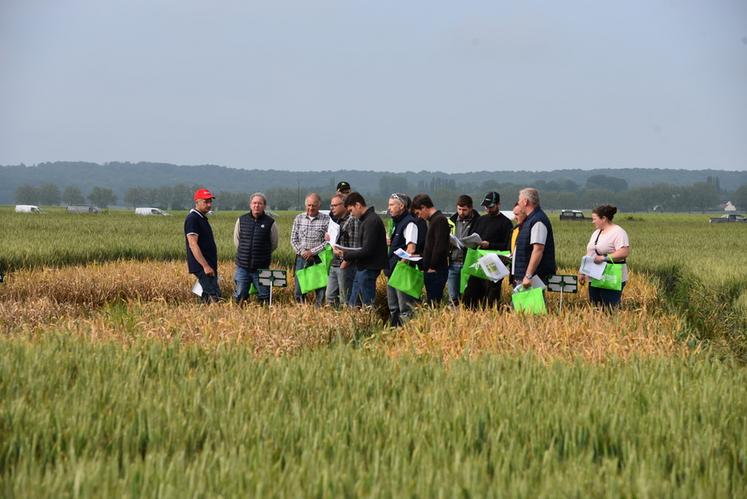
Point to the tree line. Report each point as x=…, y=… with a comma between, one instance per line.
x=556, y=194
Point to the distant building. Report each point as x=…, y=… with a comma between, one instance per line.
x=729, y=207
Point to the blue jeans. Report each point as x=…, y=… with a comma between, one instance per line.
x=302, y=264
x=605, y=297
x=210, y=288
x=364, y=287
x=434, y=285
x=454, y=281
x=339, y=285
x=243, y=279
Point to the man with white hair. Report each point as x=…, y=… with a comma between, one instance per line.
x=535, y=245
x=255, y=236
x=307, y=240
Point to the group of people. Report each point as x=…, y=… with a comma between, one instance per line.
x=364, y=247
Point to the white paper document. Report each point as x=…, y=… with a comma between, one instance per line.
x=197, y=289
x=333, y=229
x=471, y=241
x=407, y=256
x=588, y=267
x=493, y=267
x=536, y=283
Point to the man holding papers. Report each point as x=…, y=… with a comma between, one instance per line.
x=461, y=226
x=405, y=236
x=535, y=246
x=495, y=229
x=436, y=251
x=347, y=235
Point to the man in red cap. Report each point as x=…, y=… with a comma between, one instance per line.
x=202, y=253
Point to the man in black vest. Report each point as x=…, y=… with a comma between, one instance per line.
x=495, y=229
x=202, y=253
x=535, y=246
x=256, y=237
x=405, y=235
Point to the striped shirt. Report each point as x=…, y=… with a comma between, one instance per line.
x=308, y=232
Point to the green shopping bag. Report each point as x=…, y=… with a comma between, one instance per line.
x=312, y=277
x=472, y=268
x=530, y=301
x=611, y=278
x=326, y=256
x=407, y=279
x=253, y=290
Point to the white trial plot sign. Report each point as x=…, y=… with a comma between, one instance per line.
x=276, y=278
x=563, y=283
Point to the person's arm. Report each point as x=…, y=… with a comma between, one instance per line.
x=274, y=236
x=236, y=233
x=197, y=253
x=534, y=260
x=296, y=237
x=411, y=237
x=441, y=243
x=367, y=241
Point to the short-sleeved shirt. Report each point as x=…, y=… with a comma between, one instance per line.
x=610, y=240
x=538, y=234
x=197, y=223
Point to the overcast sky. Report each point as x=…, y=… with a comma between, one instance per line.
x=382, y=85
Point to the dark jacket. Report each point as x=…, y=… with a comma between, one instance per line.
x=255, y=243
x=457, y=254
x=524, y=248
x=373, y=253
x=436, y=252
x=496, y=230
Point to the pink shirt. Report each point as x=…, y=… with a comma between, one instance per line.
x=610, y=240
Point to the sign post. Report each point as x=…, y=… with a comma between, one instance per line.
x=563, y=284
x=272, y=278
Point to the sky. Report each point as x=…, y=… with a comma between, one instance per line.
x=376, y=85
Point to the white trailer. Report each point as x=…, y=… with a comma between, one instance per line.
x=145, y=211
x=27, y=208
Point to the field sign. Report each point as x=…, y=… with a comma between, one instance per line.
x=277, y=278
x=563, y=283
x=273, y=279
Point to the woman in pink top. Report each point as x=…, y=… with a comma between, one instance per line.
x=609, y=242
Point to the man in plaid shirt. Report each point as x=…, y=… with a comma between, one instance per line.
x=307, y=240
x=341, y=273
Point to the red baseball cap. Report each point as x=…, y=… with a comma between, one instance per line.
x=203, y=194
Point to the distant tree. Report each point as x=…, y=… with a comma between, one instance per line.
x=102, y=197
x=27, y=194
x=181, y=197
x=605, y=182
x=702, y=196
x=49, y=194
x=392, y=183
x=134, y=196
x=72, y=196
x=740, y=197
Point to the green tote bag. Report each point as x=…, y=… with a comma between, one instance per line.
x=530, y=301
x=471, y=268
x=611, y=279
x=313, y=277
x=407, y=279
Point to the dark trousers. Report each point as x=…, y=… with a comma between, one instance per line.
x=605, y=297
x=481, y=293
x=434, y=285
x=210, y=288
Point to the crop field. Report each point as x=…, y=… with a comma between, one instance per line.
x=115, y=382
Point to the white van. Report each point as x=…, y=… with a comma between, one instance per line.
x=150, y=211
x=27, y=208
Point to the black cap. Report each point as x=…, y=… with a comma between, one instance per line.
x=343, y=186
x=491, y=199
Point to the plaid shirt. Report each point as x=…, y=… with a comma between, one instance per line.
x=308, y=233
x=350, y=236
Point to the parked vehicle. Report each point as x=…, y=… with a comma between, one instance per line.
x=150, y=211
x=728, y=218
x=82, y=209
x=27, y=208
x=572, y=215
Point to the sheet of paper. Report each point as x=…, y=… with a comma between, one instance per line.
x=588, y=267
x=344, y=248
x=407, y=256
x=493, y=267
x=471, y=241
x=536, y=283
x=333, y=229
x=197, y=289
x=455, y=241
